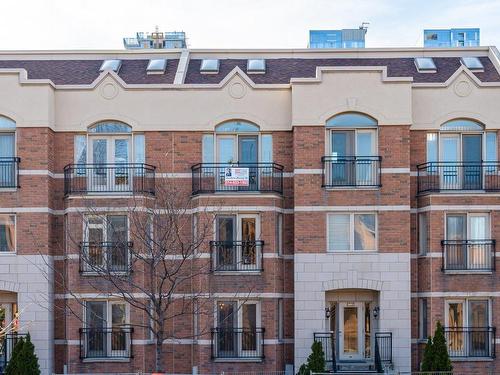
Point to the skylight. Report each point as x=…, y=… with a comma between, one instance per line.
x=113, y=65
x=471, y=62
x=156, y=66
x=425, y=64
x=209, y=66
x=256, y=66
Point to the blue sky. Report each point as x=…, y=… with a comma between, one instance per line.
x=101, y=24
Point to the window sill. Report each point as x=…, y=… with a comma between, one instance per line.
x=238, y=360
x=8, y=190
x=467, y=272
x=336, y=188
x=117, y=360
x=472, y=359
x=237, y=273
x=352, y=252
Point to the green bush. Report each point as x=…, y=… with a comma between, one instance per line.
x=23, y=360
x=315, y=361
x=436, y=357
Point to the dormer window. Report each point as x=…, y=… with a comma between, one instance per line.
x=425, y=65
x=472, y=63
x=156, y=66
x=256, y=66
x=209, y=66
x=113, y=65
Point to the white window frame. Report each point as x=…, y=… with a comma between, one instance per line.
x=351, y=232
x=15, y=235
x=465, y=309
x=374, y=130
x=467, y=219
x=423, y=316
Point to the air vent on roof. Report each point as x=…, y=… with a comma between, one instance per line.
x=209, y=66
x=256, y=66
x=156, y=66
x=113, y=65
x=473, y=63
x=425, y=65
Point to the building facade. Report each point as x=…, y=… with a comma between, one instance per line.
x=461, y=37
x=364, y=212
x=156, y=40
x=344, y=38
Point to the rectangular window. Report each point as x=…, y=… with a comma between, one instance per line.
x=208, y=148
x=422, y=313
x=281, y=319
x=139, y=148
x=7, y=233
x=267, y=148
x=422, y=234
x=491, y=152
x=80, y=153
x=432, y=147
x=279, y=234
x=352, y=232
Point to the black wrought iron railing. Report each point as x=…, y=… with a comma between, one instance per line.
x=351, y=171
x=477, y=342
x=9, y=172
x=468, y=255
x=383, y=351
x=327, y=340
x=106, y=342
x=7, y=343
x=449, y=176
x=109, y=178
x=238, y=343
x=236, y=255
x=102, y=257
x=237, y=177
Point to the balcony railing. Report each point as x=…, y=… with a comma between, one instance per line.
x=105, y=257
x=234, y=343
x=237, y=256
x=327, y=340
x=237, y=177
x=9, y=172
x=109, y=178
x=449, y=176
x=351, y=171
x=383, y=350
x=468, y=255
x=470, y=342
x=7, y=343
x=103, y=343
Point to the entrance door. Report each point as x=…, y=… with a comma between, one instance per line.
x=450, y=155
x=472, y=156
x=351, y=331
x=110, y=156
x=248, y=158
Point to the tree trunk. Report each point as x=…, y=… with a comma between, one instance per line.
x=159, y=351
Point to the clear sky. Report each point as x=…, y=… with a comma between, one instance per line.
x=101, y=24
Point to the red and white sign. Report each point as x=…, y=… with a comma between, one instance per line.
x=235, y=176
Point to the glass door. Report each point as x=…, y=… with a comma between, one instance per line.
x=122, y=179
x=455, y=339
x=365, y=147
x=248, y=236
x=117, y=255
x=110, y=156
x=351, y=331
x=226, y=324
x=456, y=234
x=479, y=336
x=248, y=158
x=450, y=156
x=226, y=256
x=98, y=179
x=96, y=323
x=478, y=254
x=118, y=338
x=95, y=238
x=7, y=168
x=472, y=157
x=248, y=337
x=226, y=156
x=343, y=161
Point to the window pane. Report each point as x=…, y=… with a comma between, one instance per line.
x=491, y=146
x=208, y=148
x=364, y=232
x=432, y=149
x=455, y=315
x=80, y=149
x=117, y=229
x=7, y=123
x=118, y=314
x=339, y=232
x=7, y=145
x=139, y=148
x=456, y=227
x=478, y=314
x=356, y=120
x=96, y=314
x=267, y=148
x=7, y=233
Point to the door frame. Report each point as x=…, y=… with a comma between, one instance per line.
x=360, y=307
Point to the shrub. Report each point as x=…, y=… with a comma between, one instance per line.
x=315, y=361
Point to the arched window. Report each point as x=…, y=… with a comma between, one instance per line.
x=110, y=127
x=236, y=127
x=462, y=125
x=6, y=124
x=351, y=120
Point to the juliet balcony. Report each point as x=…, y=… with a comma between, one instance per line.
x=238, y=344
x=468, y=255
x=470, y=342
x=9, y=172
x=101, y=258
x=351, y=171
x=237, y=178
x=236, y=256
x=435, y=177
x=106, y=343
x=124, y=178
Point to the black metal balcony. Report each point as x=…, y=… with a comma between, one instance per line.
x=236, y=256
x=9, y=172
x=105, y=257
x=351, y=171
x=236, y=343
x=474, y=342
x=327, y=340
x=109, y=178
x=450, y=176
x=383, y=350
x=106, y=343
x=468, y=255
x=237, y=177
x=7, y=343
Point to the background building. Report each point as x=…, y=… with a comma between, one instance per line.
x=157, y=40
x=463, y=37
x=345, y=38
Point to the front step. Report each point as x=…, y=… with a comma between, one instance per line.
x=355, y=367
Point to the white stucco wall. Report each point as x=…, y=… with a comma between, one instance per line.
x=387, y=273
x=30, y=276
